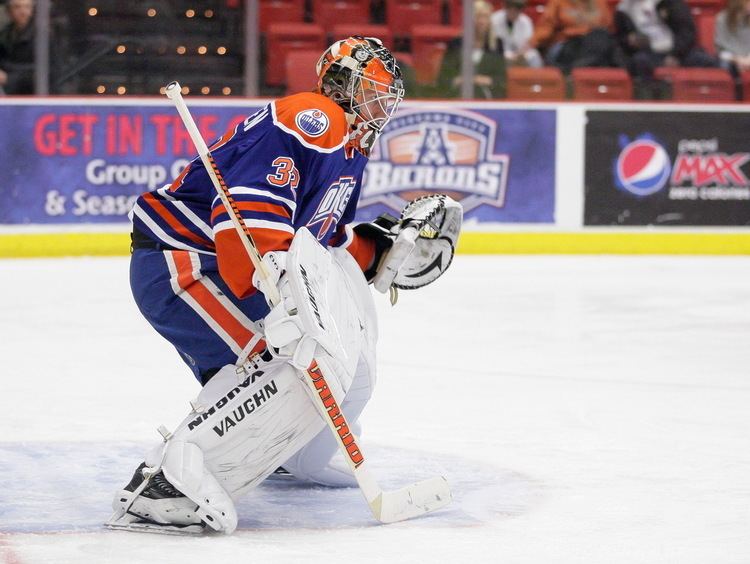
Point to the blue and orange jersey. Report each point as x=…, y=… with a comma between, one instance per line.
x=286, y=166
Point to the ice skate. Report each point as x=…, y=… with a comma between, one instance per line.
x=152, y=504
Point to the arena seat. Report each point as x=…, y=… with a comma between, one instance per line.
x=595, y=84
x=541, y=84
x=285, y=37
x=382, y=32
x=705, y=25
x=698, y=84
x=428, y=46
x=328, y=13
x=745, y=81
x=300, y=75
x=700, y=7
x=402, y=15
x=276, y=11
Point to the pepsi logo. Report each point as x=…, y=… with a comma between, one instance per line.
x=642, y=168
x=312, y=122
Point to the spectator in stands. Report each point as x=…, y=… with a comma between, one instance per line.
x=516, y=29
x=489, y=62
x=574, y=34
x=17, y=49
x=658, y=33
x=732, y=36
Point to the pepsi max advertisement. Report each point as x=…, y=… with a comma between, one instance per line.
x=667, y=168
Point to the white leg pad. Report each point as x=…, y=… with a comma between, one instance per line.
x=184, y=467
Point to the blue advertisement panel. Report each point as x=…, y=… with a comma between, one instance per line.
x=78, y=164
x=73, y=164
x=499, y=163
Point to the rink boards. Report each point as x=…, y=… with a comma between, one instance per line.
x=532, y=177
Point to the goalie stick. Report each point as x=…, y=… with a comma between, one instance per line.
x=386, y=506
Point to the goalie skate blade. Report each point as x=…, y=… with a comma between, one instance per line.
x=186, y=531
x=413, y=501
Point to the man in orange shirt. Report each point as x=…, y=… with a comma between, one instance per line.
x=574, y=34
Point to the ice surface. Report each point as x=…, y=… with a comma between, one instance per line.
x=590, y=409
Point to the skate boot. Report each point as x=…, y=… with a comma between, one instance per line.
x=152, y=504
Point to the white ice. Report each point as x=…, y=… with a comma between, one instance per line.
x=589, y=410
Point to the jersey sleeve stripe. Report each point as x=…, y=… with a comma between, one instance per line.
x=187, y=212
x=173, y=222
x=262, y=207
x=245, y=191
x=343, y=237
x=162, y=235
x=255, y=224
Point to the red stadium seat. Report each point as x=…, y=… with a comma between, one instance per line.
x=280, y=11
x=331, y=12
x=300, y=75
x=283, y=38
x=402, y=15
x=745, y=79
x=698, y=84
x=382, y=32
x=542, y=84
x=706, y=24
x=713, y=7
x=595, y=84
x=428, y=43
x=404, y=59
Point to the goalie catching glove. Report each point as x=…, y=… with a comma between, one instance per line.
x=417, y=249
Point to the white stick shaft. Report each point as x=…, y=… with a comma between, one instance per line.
x=269, y=288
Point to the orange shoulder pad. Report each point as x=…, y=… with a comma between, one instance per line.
x=316, y=121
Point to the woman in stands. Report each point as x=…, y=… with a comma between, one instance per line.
x=732, y=36
x=489, y=61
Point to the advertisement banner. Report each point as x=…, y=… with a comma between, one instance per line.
x=87, y=164
x=667, y=168
x=73, y=164
x=499, y=163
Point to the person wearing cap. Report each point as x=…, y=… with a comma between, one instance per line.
x=516, y=29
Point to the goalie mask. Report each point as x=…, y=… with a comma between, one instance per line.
x=362, y=77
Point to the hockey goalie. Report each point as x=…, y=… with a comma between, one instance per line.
x=284, y=380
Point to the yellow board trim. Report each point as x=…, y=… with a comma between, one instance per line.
x=118, y=244
x=605, y=243
x=64, y=244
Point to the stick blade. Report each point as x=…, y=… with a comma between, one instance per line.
x=412, y=501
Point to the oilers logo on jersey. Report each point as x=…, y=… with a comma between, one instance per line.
x=312, y=122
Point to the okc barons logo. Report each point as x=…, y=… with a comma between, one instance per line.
x=312, y=122
x=447, y=151
x=642, y=168
x=332, y=206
